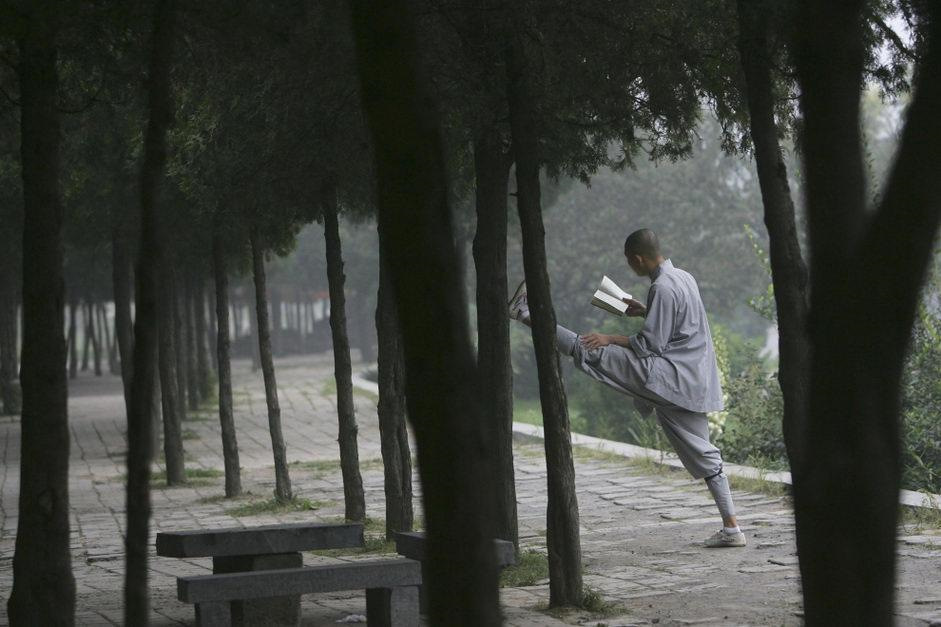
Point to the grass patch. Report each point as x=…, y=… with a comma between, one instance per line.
x=323, y=467
x=189, y=434
x=593, y=603
x=329, y=388
x=194, y=477
x=918, y=519
x=374, y=539
x=584, y=453
x=531, y=566
x=274, y=506
x=528, y=411
x=760, y=485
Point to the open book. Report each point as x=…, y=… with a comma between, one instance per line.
x=608, y=297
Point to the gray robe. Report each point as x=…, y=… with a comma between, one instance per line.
x=676, y=345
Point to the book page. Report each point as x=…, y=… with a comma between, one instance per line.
x=611, y=288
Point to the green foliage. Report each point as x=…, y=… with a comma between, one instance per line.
x=921, y=406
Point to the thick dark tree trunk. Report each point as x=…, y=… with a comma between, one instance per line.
x=9, y=356
x=140, y=420
x=354, y=499
x=396, y=456
x=230, y=448
x=192, y=361
x=282, y=479
x=73, y=338
x=492, y=171
x=202, y=356
x=169, y=377
x=121, y=284
x=43, y=587
x=846, y=529
x=443, y=392
x=788, y=270
x=563, y=542
x=180, y=342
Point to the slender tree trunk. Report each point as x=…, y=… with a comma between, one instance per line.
x=100, y=342
x=180, y=341
x=87, y=336
x=563, y=542
x=43, y=587
x=230, y=449
x=171, y=392
x=140, y=419
x=202, y=356
x=354, y=499
x=282, y=479
x=788, y=271
x=443, y=391
x=492, y=171
x=123, y=326
x=846, y=529
x=9, y=357
x=108, y=338
x=192, y=361
x=393, y=436
x=213, y=329
x=73, y=338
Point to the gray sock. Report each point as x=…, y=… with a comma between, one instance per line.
x=719, y=487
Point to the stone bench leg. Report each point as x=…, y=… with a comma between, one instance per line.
x=392, y=607
x=214, y=614
x=278, y=611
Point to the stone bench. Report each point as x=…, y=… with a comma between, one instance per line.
x=391, y=587
x=411, y=544
x=267, y=547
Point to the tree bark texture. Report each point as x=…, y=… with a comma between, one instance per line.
x=442, y=386
x=846, y=529
x=562, y=539
x=393, y=435
x=355, y=501
x=169, y=377
x=230, y=449
x=192, y=361
x=121, y=285
x=140, y=425
x=788, y=270
x=202, y=355
x=43, y=587
x=9, y=354
x=282, y=478
x=492, y=171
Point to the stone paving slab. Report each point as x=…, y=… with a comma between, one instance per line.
x=641, y=530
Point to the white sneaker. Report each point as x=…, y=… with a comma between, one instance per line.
x=519, y=306
x=721, y=539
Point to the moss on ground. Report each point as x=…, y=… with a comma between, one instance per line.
x=274, y=506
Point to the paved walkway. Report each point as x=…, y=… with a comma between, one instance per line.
x=641, y=527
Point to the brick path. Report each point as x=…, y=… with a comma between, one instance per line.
x=641, y=528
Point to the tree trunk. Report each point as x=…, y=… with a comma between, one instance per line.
x=109, y=338
x=230, y=449
x=180, y=341
x=73, y=338
x=282, y=479
x=492, y=171
x=87, y=336
x=43, y=587
x=442, y=385
x=846, y=529
x=199, y=319
x=9, y=357
x=104, y=335
x=123, y=325
x=140, y=420
x=788, y=271
x=213, y=329
x=90, y=310
x=192, y=361
x=393, y=436
x=342, y=370
x=563, y=542
x=169, y=378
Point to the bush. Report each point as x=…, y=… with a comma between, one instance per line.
x=921, y=407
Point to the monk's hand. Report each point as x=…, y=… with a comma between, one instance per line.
x=635, y=308
x=595, y=340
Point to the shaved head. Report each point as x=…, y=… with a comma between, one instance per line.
x=643, y=242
